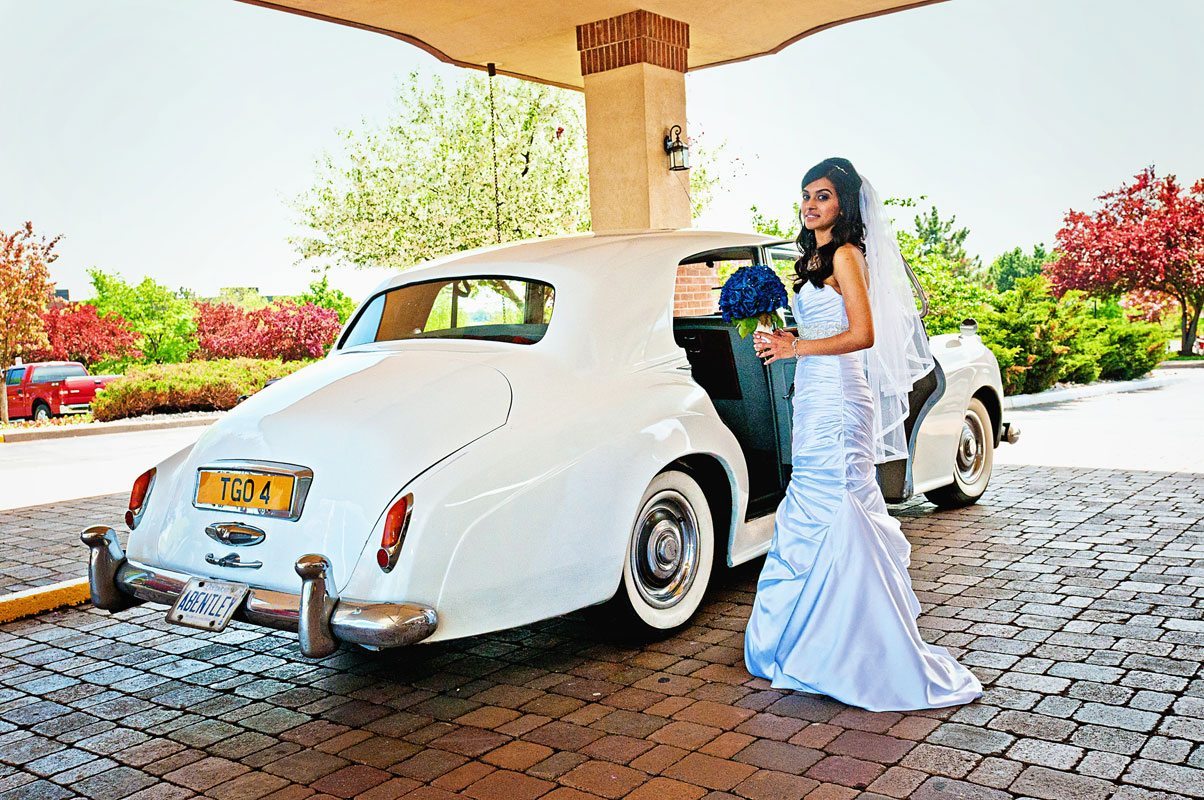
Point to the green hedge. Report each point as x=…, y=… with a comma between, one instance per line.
x=1039, y=339
x=188, y=386
x=1131, y=349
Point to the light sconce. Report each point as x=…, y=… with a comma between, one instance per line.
x=679, y=151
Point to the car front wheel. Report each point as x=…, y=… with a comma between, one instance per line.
x=972, y=463
x=667, y=565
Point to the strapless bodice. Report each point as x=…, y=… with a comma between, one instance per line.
x=819, y=312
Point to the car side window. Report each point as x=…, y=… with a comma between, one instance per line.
x=14, y=376
x=783, y=264
x=72, y=371
x=42, y=375
x=494, y=308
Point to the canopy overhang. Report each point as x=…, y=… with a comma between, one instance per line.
x=537, y=39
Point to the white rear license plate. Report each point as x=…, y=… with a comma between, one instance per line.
x=207, y=604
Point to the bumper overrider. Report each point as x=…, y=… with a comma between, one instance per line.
x=320, y=618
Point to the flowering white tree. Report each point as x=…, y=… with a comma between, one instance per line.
x=422, y=184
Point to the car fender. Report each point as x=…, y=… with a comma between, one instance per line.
x=970, y=367
x=533, y=520
x=167, y=493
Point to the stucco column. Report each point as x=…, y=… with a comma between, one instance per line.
x=635, y=91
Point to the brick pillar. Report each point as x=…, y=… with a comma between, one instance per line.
x=635, y=90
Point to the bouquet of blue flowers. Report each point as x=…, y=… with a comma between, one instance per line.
x=752, y=296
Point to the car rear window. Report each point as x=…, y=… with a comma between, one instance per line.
x=52, y=374
x=494, y=308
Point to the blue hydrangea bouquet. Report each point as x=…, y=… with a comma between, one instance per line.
x=752, y=297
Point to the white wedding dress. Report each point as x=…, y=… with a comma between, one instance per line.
x=835, y=613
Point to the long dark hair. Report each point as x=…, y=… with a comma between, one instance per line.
x=849, y=227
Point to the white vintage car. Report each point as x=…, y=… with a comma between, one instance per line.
x=506, y=435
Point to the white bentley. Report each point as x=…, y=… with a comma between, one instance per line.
x=505, y=435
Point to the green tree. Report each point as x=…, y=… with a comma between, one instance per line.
x=778, y=228
x=937, y=235
x=161, y=318
x=321, y=294
x=1016, y=264
x=247, y=297
x=951, y=298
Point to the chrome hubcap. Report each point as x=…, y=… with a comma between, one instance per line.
x=971, y=450
x=664, y=550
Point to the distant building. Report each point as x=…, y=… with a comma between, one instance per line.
x=63, y=294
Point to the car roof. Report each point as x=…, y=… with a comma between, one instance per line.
x=614, y=291
x=583, y=250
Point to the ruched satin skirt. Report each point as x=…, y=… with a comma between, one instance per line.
x=835, y=613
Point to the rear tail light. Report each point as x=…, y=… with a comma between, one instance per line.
x=397, y=520
x=142, y=489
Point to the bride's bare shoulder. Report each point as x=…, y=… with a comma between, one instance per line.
x=849, y=253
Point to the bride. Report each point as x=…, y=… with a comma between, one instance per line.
x=835, y=613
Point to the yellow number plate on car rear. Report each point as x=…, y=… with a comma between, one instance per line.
x=256, y=493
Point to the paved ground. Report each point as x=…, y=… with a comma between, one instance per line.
x=1149, y=429
x=42, y=542
x=1077, y=596
x=52, y=470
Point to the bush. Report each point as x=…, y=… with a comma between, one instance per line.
x=1039, y=339
x=1130, y=349
x=190, y=386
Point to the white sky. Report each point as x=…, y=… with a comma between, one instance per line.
x=165, y=138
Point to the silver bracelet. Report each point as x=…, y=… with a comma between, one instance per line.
x=794, y=346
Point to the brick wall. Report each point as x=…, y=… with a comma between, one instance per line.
x=633, y=38
x=694, y=293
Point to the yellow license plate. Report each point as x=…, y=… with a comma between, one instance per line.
x=247, y=491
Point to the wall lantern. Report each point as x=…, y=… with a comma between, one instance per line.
x=679, y=152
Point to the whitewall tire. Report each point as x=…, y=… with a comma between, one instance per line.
x=668, y=560
x=973, y=461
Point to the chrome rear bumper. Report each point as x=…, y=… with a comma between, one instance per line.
x=320, y=618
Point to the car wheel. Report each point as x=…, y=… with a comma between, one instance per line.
x=972, y=463
x=667, y=564
x=41, y=412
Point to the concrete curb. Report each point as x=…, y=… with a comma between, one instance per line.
x=1050, y=396
x=101, y=428
x=29, y=602
x=1181, y=365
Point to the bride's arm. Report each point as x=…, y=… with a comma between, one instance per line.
x=849, y=269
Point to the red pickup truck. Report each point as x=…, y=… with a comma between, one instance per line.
x=50, y=388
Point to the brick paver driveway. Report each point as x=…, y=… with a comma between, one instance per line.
x=41, y=543
x=1077, y=596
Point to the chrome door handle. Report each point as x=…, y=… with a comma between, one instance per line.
x=232, y=560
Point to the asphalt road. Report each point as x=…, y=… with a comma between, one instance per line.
x=52, y=470
x=1150, y=429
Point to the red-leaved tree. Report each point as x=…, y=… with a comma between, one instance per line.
x=1148, y=236
x=76, y=332
x=288, y=331
x=222, y=331
x=25, y=289
x=294, y=331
